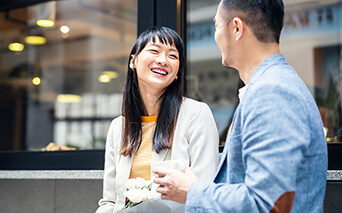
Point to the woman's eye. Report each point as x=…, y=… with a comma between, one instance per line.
x=153, y=51
x=174, y=56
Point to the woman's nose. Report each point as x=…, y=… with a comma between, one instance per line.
x=162, y=60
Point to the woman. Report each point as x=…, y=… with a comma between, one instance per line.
x=157, y=122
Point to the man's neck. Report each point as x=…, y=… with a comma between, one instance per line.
x=257, y=54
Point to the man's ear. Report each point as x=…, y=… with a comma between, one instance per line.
x=239, y=28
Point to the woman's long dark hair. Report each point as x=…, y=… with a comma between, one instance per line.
x=171, y=100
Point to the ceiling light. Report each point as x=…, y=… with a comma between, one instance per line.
x=45, y=23
x=43, y=14
x=36, y=81
x=35, y=40
x=68, y=98
x=16, y=47
x=111, y=74
x=64, y=29
x=104, y=79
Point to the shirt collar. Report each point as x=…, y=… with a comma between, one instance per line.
x=242, y=91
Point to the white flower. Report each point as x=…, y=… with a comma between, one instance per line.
x=141, y=182
x=152, y=194
x=136, y=195
x=140, y=190
x=137, y=183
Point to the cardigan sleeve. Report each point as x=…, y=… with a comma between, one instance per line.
x=203, y=141
x=107, y=203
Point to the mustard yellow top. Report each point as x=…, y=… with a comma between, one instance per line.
x=141, y=165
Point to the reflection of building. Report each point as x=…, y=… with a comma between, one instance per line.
x=85, y=54
x=88, y=42
x=217, y=86
x=313, y=33
x=80, y=63
x=309, y=29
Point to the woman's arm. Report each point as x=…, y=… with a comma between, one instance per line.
x=203, y=143
x=107, y=203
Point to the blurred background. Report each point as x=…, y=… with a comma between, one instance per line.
x=63, y=64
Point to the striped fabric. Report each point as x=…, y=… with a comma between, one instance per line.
x=141, y=166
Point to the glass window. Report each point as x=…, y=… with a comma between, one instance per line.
x=62, y=65
x=207, y=79
x=310, y=42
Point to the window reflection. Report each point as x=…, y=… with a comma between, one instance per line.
x=207, y=79
x=61, y=80
x=310, y=42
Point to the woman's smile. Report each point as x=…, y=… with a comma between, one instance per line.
x=159, y=71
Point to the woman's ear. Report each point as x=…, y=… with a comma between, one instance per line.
x=131, y=63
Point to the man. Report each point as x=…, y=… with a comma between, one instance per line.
x=275, y=157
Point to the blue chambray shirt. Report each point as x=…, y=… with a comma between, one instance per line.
x=275, y=157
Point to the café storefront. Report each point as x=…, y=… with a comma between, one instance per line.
x=61, y=83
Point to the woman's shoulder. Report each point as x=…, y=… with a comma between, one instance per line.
x=189, y=103
x=193, y=107
x=116, y=122
x=194, y=114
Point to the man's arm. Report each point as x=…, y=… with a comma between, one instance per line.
x=275, y=135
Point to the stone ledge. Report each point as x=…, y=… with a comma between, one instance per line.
x=332, y=175
x=52, y=174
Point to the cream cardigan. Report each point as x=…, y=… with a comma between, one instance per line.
x=195, y=142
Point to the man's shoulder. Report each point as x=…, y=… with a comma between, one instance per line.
x=279, y=77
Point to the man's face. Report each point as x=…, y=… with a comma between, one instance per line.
x=222, y=37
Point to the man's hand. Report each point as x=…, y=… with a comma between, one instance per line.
x=173, y=184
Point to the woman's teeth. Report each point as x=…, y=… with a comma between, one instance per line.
x=161, y=72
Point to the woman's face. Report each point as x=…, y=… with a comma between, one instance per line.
x=156, y=66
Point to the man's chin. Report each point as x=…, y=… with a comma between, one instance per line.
x=226, y=65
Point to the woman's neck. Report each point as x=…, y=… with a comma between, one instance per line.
x=151, y=101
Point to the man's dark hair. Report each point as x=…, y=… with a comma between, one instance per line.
x=264, y=17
